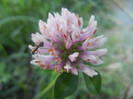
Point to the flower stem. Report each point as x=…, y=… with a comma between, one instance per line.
x=45, y=90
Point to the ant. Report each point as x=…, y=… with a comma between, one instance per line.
x=39, y=45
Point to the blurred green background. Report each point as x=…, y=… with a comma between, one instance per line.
x=19, y=18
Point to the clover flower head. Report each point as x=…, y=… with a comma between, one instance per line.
x=66, y=44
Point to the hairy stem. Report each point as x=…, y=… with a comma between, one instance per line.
x=45, y=90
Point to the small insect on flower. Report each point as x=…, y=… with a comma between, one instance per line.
x=67, y=45
x=41, y=44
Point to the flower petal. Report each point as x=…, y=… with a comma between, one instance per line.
x=99, y=52
x=68, y=42
x=93, y=43
x=68, y=66
x=37, y=38
x=92, y=59
x=90, y=30
x=75, y=34
x=97, y=62
x=91, y=19
x=87, y=70
x=43, y=60
x=42, y=26
x=73, y=57
x=74, y=70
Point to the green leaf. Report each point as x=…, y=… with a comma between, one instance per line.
x=93, y=84
x=65, y=85
x=2, y=67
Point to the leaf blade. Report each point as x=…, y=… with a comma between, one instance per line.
x=93, y=84
x=65, y=85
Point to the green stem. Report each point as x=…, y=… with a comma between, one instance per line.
x=45, y=90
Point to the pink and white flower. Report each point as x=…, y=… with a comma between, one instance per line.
x=66, y=44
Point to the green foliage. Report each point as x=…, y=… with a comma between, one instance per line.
x=65, y=85
x=4, y=77
x=93, y=84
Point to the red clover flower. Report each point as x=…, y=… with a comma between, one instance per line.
x=65, y=45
